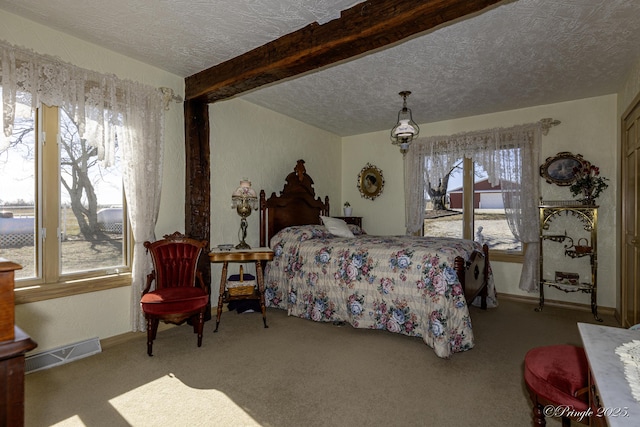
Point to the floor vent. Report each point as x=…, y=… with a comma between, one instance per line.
x=62, y=355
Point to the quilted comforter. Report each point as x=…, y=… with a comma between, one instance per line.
x=401, y=284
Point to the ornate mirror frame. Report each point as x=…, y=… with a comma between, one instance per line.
x=370, y=182
x=559, y=169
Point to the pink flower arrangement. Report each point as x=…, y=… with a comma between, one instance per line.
x=589, y=183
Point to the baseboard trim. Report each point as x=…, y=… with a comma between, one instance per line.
x=118, y=339
x=609, y=311
x=128, y=336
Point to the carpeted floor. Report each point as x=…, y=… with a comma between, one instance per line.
x=302, y=373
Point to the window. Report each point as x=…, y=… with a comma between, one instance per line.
x=18, y=220
x=465, y=205
x=109, y=113
x=62, y=212
x=510, y=156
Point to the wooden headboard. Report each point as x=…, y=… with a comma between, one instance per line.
x=296, y=205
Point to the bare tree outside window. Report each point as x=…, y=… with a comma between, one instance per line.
x=93, y=193
x=91, y=216
x=444, y=211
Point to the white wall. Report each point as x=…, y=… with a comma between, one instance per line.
x=385, y=214
x=588, y=128
x=248, y=141
x=62, y=321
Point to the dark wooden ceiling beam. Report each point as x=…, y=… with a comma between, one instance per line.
x=365, y=27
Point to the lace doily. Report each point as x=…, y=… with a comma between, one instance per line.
x=630, y=356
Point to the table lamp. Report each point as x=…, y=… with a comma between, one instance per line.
x=244, y=199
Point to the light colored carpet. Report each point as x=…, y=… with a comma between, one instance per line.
x=302, y=373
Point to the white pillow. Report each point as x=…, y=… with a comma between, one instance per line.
x=336, y=226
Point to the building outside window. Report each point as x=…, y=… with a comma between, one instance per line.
x=445, y=214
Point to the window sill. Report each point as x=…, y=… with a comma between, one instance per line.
x=47, y=291
x=500, y=256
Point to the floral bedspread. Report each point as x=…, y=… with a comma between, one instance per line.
x=402, y=284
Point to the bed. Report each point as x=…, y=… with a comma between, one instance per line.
x=415, y=286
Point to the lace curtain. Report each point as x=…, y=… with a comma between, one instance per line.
x=142, y=152
x=106, y=109
x=510, y=156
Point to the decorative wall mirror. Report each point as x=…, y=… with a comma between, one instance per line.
x=370, y=182
x=559, y=169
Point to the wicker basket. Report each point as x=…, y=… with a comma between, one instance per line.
x=237, y=291
x=241, y=284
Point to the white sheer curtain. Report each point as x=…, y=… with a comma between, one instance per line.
x=106, y=109
x=510, y=156
x=143, y=150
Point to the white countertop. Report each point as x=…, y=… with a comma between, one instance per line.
x=600, y=343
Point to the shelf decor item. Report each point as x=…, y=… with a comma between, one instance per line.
x=583, y=246
x=588, y=184
x=566, y=278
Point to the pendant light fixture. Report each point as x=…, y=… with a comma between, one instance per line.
x=405, y=129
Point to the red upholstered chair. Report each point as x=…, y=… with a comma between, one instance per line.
x=180, y=293
x=557, y=377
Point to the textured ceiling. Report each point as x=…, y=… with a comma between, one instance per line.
x=516, y=55
x=180, y=36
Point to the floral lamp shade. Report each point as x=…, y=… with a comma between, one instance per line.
x=244, y=199
x=245, y=193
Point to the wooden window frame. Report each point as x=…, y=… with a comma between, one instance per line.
x=468, y=216
x=49, y=283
